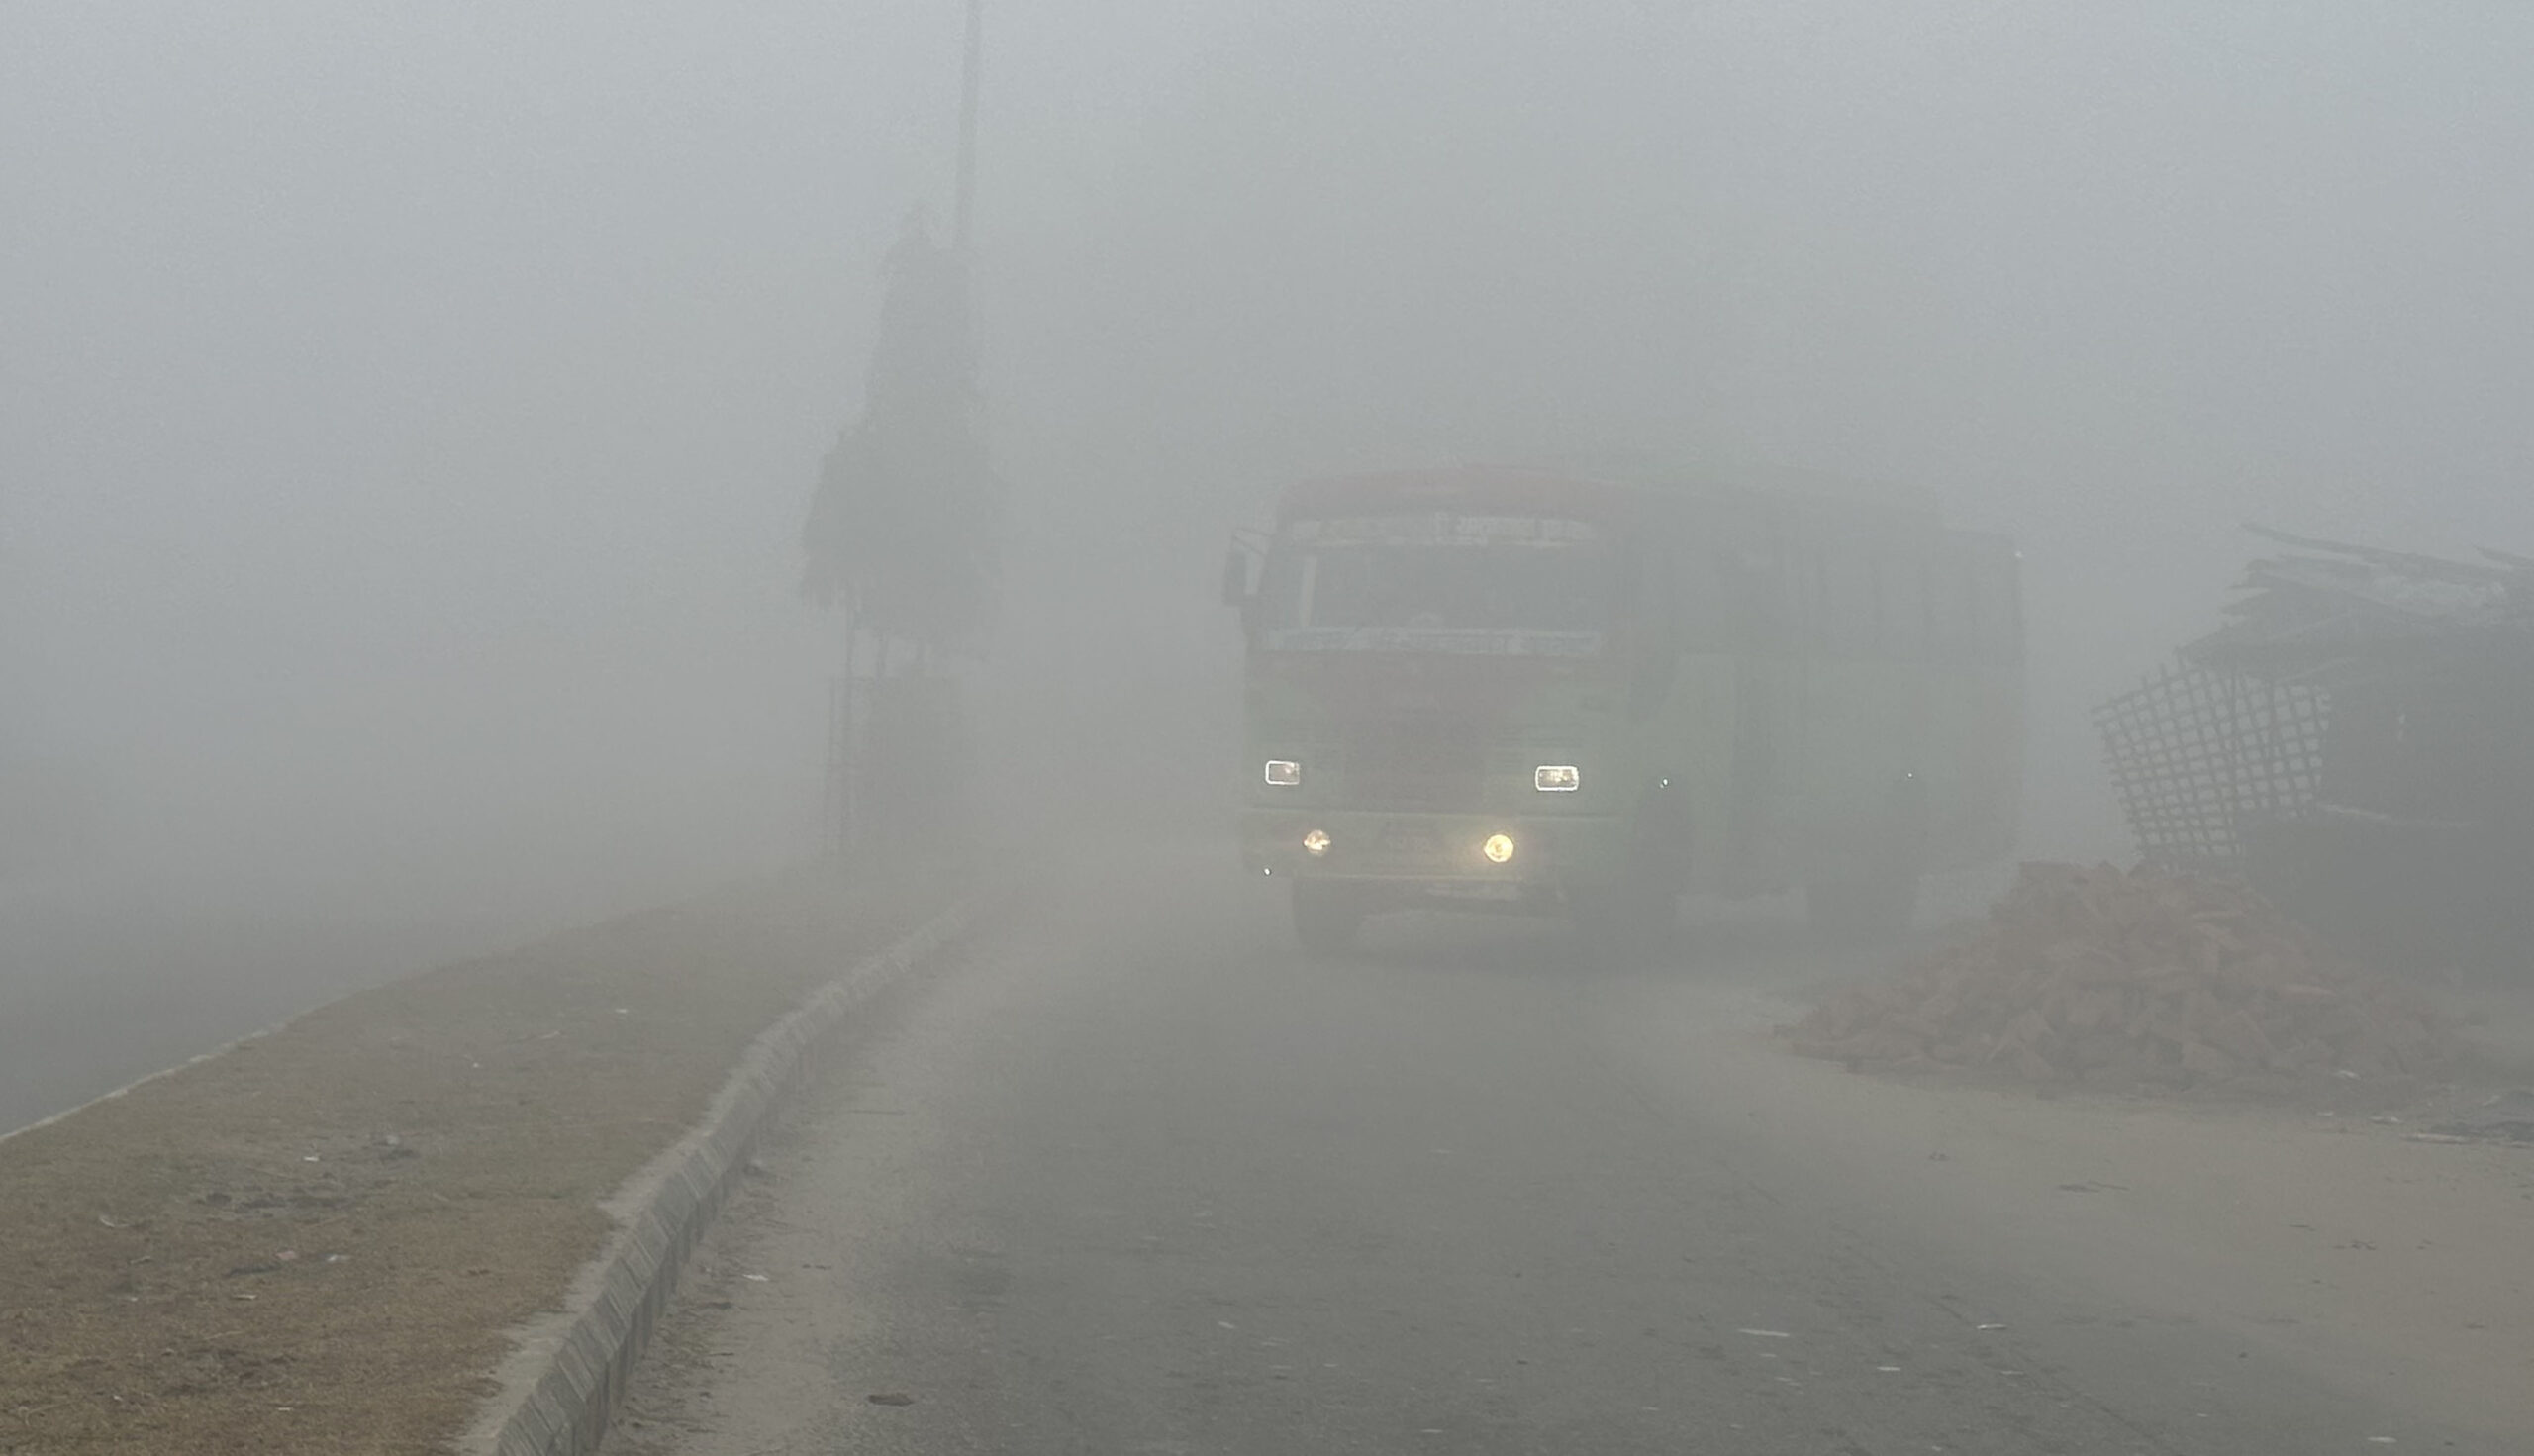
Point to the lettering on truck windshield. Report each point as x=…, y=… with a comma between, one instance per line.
x=1484, y=585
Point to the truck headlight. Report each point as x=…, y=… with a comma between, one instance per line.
x=1284, y=773
x=1557, y=778
x=1315, y=843
x=1499, y=848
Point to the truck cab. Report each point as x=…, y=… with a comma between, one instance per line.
x=1507, y=689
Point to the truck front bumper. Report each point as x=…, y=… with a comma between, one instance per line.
x=1446, y=853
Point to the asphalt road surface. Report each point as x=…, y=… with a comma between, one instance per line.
x=1135, y=1177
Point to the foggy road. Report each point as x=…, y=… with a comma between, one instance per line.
x=1141, y=1179
x=479, y=483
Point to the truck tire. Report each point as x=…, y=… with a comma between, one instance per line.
x=1326, y=917
x=1628, y=919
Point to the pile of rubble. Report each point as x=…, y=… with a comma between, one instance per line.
x=2139, y=978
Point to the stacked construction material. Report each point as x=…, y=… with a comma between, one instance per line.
x=2148, y=977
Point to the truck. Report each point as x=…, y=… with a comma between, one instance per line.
x=1517, y=689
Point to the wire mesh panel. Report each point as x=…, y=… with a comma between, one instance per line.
x=2197, y=756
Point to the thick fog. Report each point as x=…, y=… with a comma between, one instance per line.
x=407, y=413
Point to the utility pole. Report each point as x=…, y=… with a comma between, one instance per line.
x=918, y=447
x=965, y=204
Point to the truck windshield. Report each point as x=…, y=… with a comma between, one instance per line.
x=1485, y=584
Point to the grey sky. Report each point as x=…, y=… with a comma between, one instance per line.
x=405, y=411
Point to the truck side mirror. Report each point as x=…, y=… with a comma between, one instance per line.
x=1236, y=578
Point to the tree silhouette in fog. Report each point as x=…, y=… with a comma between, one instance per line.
x=903, y=530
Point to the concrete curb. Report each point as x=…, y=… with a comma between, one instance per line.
x=561, y=1383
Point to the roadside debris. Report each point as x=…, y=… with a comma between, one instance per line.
x=2354, y=739
x=2507, y=1117
x=2142, y=978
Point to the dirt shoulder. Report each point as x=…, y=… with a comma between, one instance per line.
x=317, y=1240
x=2317, y=1235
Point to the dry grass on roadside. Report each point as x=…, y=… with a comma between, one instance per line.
x=316, y=1242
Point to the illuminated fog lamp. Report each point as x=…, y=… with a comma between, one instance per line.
x=1497, y=849
x=1315, y=843
x=1284, y=773
x=1557, y=778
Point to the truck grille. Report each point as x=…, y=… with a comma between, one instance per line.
x=1414, y=764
